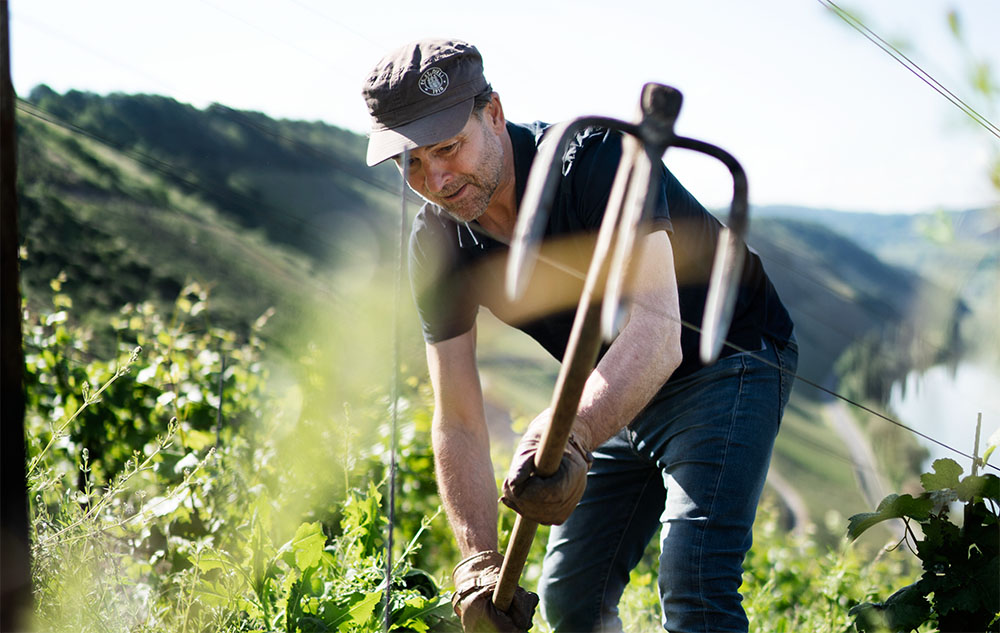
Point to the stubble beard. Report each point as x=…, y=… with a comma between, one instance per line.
x=483, y=184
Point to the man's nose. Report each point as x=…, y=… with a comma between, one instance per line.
x=437, y=176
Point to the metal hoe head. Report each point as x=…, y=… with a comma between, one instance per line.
x=644, y=145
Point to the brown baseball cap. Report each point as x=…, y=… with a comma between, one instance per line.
x=421, y=94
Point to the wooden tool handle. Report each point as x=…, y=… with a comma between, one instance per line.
x=581, y=353
x=577, y=367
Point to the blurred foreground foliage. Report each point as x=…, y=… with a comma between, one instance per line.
x=191, y=485
x=184, y=487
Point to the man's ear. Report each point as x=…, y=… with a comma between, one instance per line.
x=494, y=112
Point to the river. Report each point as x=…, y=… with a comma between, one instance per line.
x=944, y=404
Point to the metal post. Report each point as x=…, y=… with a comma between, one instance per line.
x=15, y=574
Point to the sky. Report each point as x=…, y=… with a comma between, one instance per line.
x=817, y=114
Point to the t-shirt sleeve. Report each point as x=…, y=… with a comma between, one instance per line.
x=445, y=304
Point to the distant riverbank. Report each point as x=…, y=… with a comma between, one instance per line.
x=944, y=403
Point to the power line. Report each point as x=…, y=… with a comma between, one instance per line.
x=379, y=45
x=326, y=63
x=335, y=161
x=167, y=169
x=59, y=35
x=225, y=111
x=833, y=393
x=753, y=354
x=338, y=164
x=866, y=303
x=171, y=171
x=911, y=66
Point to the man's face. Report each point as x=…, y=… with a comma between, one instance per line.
x=460, y=174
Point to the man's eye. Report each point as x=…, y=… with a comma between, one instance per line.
x=447, y=149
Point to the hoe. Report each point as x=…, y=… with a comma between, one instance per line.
x=630, y=202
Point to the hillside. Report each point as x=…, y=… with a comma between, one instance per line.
x=295, y=181
x=130, y=197
x=958, y=251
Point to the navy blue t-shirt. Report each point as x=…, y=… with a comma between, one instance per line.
x=456, y=267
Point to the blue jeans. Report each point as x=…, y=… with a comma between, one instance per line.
x=692, y=464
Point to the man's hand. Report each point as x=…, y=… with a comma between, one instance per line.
x=475, y=579
x=546, y=500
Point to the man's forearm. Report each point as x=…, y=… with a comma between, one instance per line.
x=642, y=358
x=466, y=484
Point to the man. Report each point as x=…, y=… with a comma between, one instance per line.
x=668, y=443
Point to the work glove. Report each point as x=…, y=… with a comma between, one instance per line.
x=546, y=500
x=475, y=580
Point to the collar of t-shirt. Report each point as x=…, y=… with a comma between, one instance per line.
x=523, y=140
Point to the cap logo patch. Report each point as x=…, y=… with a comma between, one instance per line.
x=433, y=82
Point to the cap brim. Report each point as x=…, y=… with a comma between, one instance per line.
x=433, y=128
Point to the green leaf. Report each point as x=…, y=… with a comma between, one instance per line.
x=987, y=453
x=980, y=487
x=963, y=598
x=307, y=544
x=945, y=475
x=987, y=579
x=209, y=561
x=941, y=537
x=359, y=610
x=292, y=586
x=867, y=618
x=197, y=440
x=416, y=612
x=362, y=521
x=892, y=507
x=982, y=78
x=310, y=624
x=904, y=610
x=994, y=441
x=907, y=608
x=421, y=582
x=954, y=25
x=210, y=594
